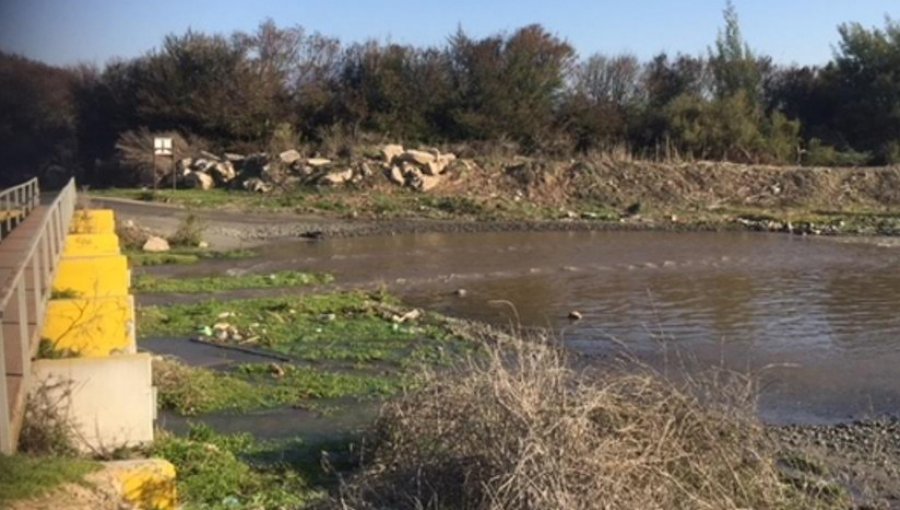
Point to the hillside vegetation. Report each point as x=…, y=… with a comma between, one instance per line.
x=526, y=91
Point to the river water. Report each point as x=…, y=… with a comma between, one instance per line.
x=822, y=316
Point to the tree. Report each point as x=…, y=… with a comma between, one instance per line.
x=734, y=66
x=864, y=81
x=603, y=94
x=507, y=87
x=209, y=86
x=37, y=125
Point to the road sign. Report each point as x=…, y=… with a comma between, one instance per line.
x=162, y=146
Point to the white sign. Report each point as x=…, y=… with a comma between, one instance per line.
x=162, y=146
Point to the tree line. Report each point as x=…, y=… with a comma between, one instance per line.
x=528, y=88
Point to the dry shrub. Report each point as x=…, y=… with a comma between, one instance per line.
x=135, y=151
x=189, y=232
x=131, y=236
x=520, y=429
x=48, y=428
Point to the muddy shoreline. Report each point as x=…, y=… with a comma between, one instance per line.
x=229, y=229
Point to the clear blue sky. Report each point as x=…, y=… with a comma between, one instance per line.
x=71, y=31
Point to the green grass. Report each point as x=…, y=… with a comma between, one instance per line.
x=23, y=477
x=399, y=204
x=194, y=391
x=281, y=279
x=214, y=472
x=343, y=326
x=182, y=256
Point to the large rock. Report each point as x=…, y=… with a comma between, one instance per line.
x=391, y=151
x=223, y=172
x=428, y=182
x=337, y=178
x=396, y=175
x=199, y=180
x=184, y=164
x=199, y=164
x=256, y=185
x=420, y=181
x=446, y=159
x=290, y=157
x=318, y=162
x=417, y=157
x=156, y=244
x=433, y=168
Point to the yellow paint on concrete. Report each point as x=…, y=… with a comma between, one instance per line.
x=147, y=483
x=93, y=221
x=90, y=245
x=91, y=327
x=89, y=277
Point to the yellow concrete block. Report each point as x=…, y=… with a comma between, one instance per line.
x=93, y=221
x=89, y=277
x=146, y=483
x=91, y=327
x=91, y=245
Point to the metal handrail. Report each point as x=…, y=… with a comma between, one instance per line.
x=23, y=298
x=16, y=203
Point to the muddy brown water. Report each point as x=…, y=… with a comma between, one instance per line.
x=824, y=317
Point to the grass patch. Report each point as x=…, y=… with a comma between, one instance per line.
x=281, y=279
x=23, y=477
x=182, y=256
x=344, y=326
x=214, y=473
x=193, y=391
x=398, y=204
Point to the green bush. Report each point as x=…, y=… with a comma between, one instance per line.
x=820, y=154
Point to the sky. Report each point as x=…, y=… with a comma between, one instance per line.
x=64, y=32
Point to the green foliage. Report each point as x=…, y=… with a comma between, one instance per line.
x=278, y=88
x=38, y=125
x=864, y=80
x=507, y=86
x=195, y=391
x=24, y=476
x=280, y=279
x=735, y=68
x=340, y=327
x=819, y=154
x=180, y=256
x=213, y=475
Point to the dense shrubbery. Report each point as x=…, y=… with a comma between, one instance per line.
x=526, y=88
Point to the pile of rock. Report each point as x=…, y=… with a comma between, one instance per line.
x=261, y=172
x=206, y=171
x=419, y=170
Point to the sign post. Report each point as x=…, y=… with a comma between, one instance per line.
x=162, y=146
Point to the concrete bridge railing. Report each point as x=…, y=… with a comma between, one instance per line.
x=31, y=246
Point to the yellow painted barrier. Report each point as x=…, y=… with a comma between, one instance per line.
x=93, y=221
x=146, y=484
x=91, y=327
x=91, y=245
x=87, y=277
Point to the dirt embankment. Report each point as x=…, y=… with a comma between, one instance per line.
x=538, y=194
x=696, y=184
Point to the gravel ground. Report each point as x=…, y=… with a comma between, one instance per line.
x=862, y=456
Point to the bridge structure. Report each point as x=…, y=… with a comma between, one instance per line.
x=67, y=318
